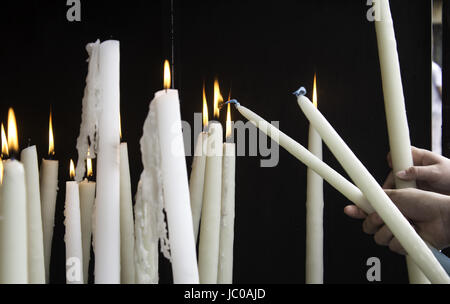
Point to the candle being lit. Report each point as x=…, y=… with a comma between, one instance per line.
x=13, y=215
x=72, y=237
x=210, y=221
x=386, y=209
x=225, y=270
x=197, y=177
x=87, y=198
x=48, y=192
x=314, y=209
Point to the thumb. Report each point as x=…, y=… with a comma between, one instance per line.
x=423, y=173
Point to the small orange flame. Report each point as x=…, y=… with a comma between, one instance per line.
x=166, y=75
x=13, y=142
x=205, y=110
x=5, y=152
x=72, y=169
x=218, y=99
x=51, y=142
x=228, y=123
x=90, y=172
x=314, y=92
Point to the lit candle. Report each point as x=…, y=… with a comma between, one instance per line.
x=127, y=269
x=386, y=209
x=208, y=254
x=164, y=181
x=49, y=192
x=36, y=262
x=225, y=275
x=13, y=215
x=197, y=178
x=87, y=198
x=350, y=191
x=72, y=237
x=394, y=101
x=107, y=203
x=314, y=210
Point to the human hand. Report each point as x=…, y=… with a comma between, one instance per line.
x=430, y=171
x=428, y=212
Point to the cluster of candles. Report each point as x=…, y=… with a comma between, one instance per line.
x=126, y=247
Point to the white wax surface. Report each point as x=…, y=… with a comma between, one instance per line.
x=208, y=255
x=127, y=269
x=336, y=180
x=107, y=215
x=225, y=270
x=72, y=237
x=196, y=181
x=49, y=192
x=394, y=101
x=386, y=209
x=87, y=198
x=176, y=188
x=36, y=262
x=314, y=215
x=13, y=225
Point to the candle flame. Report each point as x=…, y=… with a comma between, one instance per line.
x=13, y=142
x=218, y=99
x=314, y=92
x=228, y=123
x=1, y=171
x=51, y=142
x=90, y=172
x=205, y=110
x=166, y=75
x=5, y=152
x=72, y=169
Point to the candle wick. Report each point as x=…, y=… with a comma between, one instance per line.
x=233, y=101
x=300, y=92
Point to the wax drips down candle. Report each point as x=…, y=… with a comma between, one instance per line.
x=49, y=191
x=164, y=158
x=394, y=101
x=13, y=215
x=392, y=217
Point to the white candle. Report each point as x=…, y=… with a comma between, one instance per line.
x=314, y=210
x=391, y=215
x=197, y=179
x=87, y=198
x=176, y=188
x=72, y=237
x=350, y=191
x=394, y=102
x=210, y=221
x=225, y=270
x=36, y=264
x=49, y=191
x=13, y=216
x=127, y=270
x=107, y=215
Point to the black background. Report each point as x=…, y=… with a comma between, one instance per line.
x=263, y=51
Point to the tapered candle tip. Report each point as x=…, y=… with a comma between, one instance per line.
x=300, y=92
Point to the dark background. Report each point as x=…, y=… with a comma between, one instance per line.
x=263, y=51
